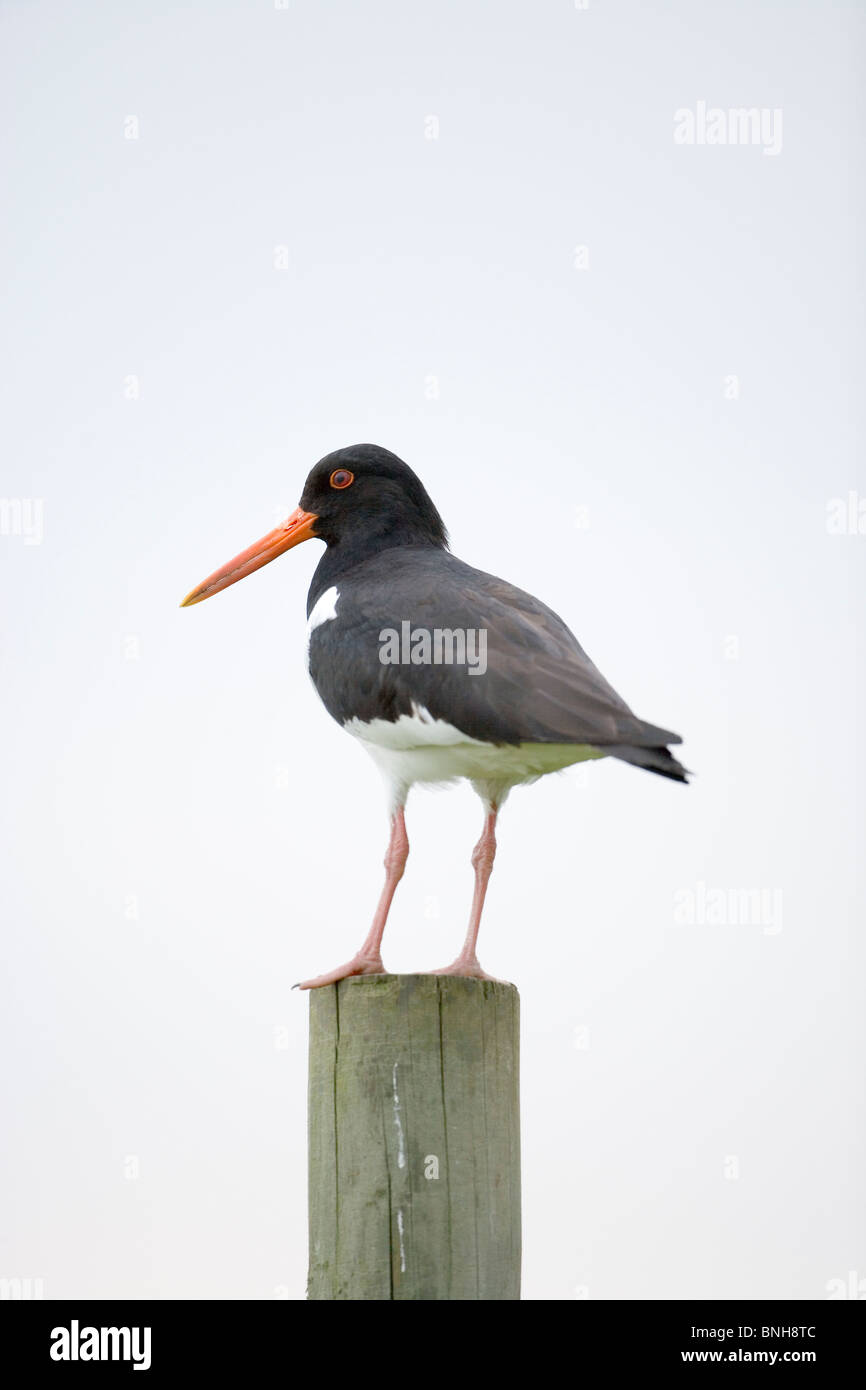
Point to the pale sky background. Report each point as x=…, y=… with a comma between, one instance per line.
x=186, y=832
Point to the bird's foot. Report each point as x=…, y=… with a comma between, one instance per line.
x=358, y=965
x=468, y=967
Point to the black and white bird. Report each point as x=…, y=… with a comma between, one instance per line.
x=440, y=670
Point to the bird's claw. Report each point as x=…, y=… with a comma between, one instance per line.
x=466, y=968
x=358, y=965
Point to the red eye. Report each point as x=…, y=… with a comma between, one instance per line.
x=341, y=477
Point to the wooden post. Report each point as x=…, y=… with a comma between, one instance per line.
x=414, y=1139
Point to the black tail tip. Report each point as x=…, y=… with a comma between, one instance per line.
x=659, y=760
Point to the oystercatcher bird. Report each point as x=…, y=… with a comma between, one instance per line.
x=441, y=671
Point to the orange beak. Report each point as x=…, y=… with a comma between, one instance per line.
x=298, y=527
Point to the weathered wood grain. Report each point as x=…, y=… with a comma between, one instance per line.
x=414, y=1139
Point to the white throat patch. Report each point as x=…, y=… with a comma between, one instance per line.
x=324, y=611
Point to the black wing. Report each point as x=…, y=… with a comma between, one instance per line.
x=539, y=685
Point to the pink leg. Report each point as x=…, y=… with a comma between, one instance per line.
x=482, y=862
x=368, y=960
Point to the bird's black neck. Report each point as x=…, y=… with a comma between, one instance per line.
x=353, y=549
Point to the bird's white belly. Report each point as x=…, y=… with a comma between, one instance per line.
x=419, y=748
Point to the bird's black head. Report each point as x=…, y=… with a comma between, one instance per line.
x=359, y=501
x=366, y=499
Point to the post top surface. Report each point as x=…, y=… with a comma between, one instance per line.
x=453, y=985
